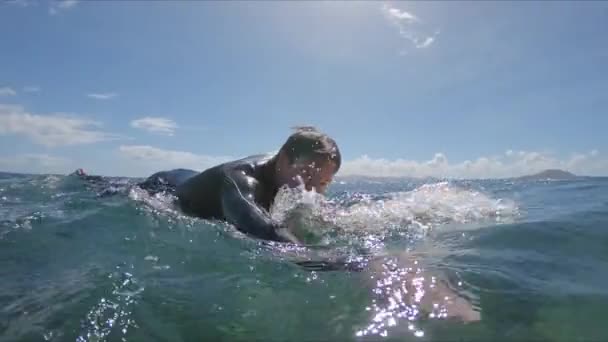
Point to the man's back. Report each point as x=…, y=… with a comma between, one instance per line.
x=202, y=194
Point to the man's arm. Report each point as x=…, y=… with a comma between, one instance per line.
x=240, y=209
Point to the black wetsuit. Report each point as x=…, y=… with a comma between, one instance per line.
x=239, y=192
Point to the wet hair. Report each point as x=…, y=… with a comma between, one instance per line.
x=308, y=143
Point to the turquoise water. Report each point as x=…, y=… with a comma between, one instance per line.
x=518, y=261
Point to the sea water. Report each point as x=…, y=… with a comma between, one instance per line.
x=478, y=260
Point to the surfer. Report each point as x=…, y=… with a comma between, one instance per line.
x=241, y=192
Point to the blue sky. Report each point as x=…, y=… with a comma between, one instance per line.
x=478, y=89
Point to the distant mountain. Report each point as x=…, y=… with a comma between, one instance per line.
x=553, y=174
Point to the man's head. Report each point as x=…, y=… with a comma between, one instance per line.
x=308, y=156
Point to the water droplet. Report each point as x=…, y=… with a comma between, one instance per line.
x=151, y=258
x=48, y=336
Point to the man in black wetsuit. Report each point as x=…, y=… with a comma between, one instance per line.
x=241, y=192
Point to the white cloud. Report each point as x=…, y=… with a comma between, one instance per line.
x=511, y=164
x=428, y=41
x=155, y=125
x=102, y=96
x=50, y=130
x=143, y=160
x=35, y=163
x=31, y=89
x=410, y=27
x=152, y=159
x=57, y=6
x=7, y=91
x=399, y=14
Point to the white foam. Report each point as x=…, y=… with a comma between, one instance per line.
x=288, y=199
x=426, y=206
x=162, y=205
x=151, y=258
x=159, y=202
x=423, y=208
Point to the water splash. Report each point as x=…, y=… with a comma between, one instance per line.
x=424, y=208
x=157, y=203
x=419, y=210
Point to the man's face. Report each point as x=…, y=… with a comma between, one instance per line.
x=317, y=173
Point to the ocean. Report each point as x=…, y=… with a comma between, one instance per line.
x=476, y=260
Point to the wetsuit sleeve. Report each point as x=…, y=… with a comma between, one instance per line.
x=240, y=209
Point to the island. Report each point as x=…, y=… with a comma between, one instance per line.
x=552, y=174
